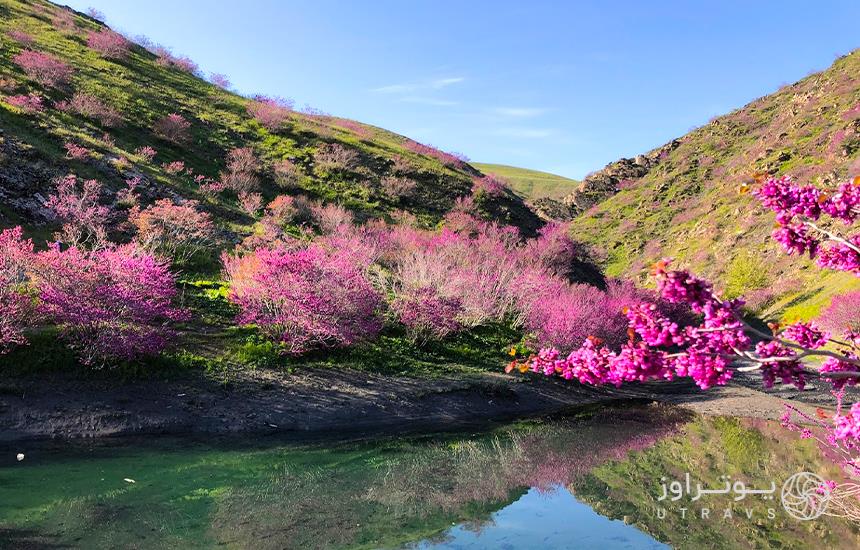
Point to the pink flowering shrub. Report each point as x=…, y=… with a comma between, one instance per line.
x=240, y=174
x=556, y=251
x=333, y=157
x=331, y=217
x=304, y=299
x=173, y=128
x=285, y=210
x=356, y=128
x=426, y=315
x=287, y=174
x=176, y=231
x=490, y=185
x=270, y=112
x=843, y=313
x=29, y=103
x=21, y=37
x=77, y=206
x=146, y=152
x=220, y=80
x=455, y=160
x=174, y=168
x=92, y=107
x=108, y=43
x=251, y=203
x=44, y=68
x=111, y=305
x=16, y=305
x=75, y=151
x=398, y=187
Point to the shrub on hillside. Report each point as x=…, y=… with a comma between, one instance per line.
x=285, y=210
x=146, y=152
x=843, y=313
x=16, y=305
x=287, y=174
x=426, y=315
x=332, y=157
x=108, y=43
x=111, y=305
x=177, y=231
x=556, y=252
x=92, y=107
x=240, y=174
x=270, y=112
x=220, y=80
x=44, y=68
x=251, y=203
x=398, y=187
x=29, y=103
x=21, y=37
x=331, y=217
x=75, y=151
x=77, y=207
x=173, y=128
x=304, y=299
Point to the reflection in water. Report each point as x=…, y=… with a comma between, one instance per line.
x=548, y=520
x=509, y=488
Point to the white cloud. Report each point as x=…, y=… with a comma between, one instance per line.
x=428, y=101
x=431, y=84
x=526, y=133
x=444, y=82
x=519, y=112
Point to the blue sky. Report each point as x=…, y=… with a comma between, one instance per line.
x=558, y=86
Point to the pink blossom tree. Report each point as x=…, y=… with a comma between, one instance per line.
x=108, y=43
x=304, y=299
x=16, y=304
x=44, y=68
x=31, y=103
x=77, y=206
x=111, y=305
x=175, y=231
x=271, y=112
x=241, y=171
x=92, y=107
x=173, y=127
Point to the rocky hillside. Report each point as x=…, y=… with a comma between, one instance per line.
x=106, y=109
x=681, y=200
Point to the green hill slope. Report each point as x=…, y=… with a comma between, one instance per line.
x=682, y=200
x=530, y=184
x=142, y=89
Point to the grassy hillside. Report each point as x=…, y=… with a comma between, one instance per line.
x=143, y=89
x=530, y=184
x=687, y=204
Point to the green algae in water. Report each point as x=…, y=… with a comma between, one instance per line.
x=538, y=484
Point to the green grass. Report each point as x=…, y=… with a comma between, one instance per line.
x=530, y=184
x=688, y=206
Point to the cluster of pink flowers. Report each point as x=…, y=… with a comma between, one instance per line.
x=177, y=231
x=270, y=112
x=146, y=152
x=75, y=151
x=112, y=304
x=173, y=127
x=76, y=204
x=174, y=168
x=305, y=298
x=455, y=160
x=44, y=68
x=29, y=103
x=799, y=207
x=21, y=37
x=92, y=107
x=108, y=43
x=16, y=306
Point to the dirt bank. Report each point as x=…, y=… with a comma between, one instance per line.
x=321, y=402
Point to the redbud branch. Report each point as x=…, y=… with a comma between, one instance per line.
x=833, y=236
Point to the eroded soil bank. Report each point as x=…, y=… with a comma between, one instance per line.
x=329, y=403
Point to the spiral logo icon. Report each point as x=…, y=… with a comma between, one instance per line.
x=804, y=496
